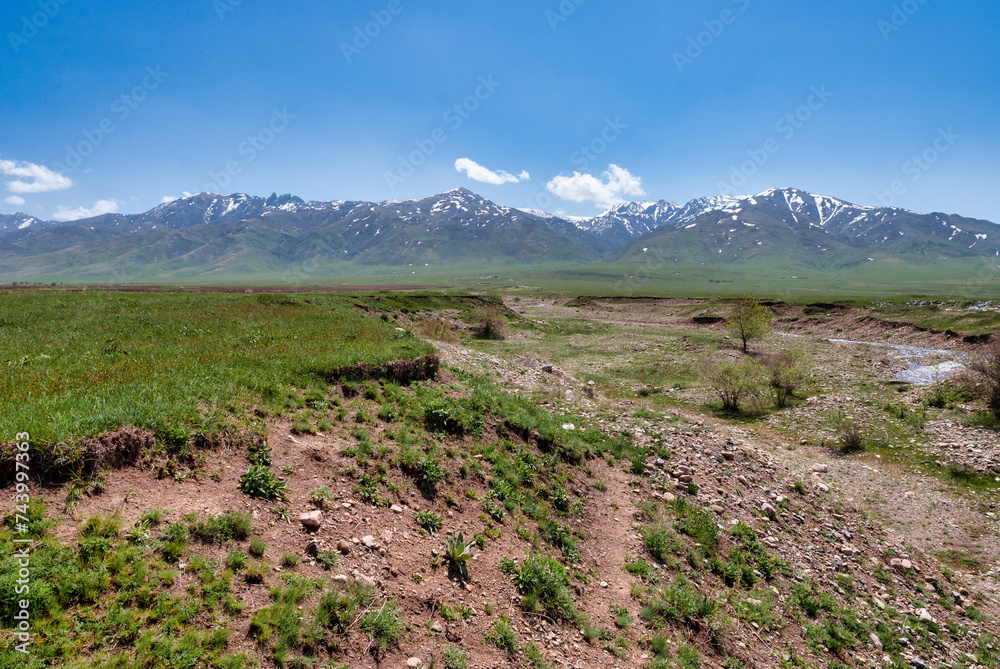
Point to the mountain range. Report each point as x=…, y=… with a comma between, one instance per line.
x=209, y=236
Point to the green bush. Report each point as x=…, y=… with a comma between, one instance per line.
x=543, y=580
x=679, y=601
x=259, y=481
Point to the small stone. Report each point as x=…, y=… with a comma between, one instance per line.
x=819, y=467
x=368, y=540
x=875, y=641
x=414, y=662
x=604, y=584
x=312, y=548
x=767, y=508
x=341, y=578
x=718, y=509
x=395, y=508
x=437, y=627
x=924, y=615
x=311, y=520
x=917, y=663
x=344, y=546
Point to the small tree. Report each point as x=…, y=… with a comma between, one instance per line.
x=749, y=319
x=987, y=365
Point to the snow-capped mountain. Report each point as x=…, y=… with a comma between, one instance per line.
x=789, y=222
x=241, y=234
x=15, y=223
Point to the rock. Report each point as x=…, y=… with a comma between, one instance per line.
x=718, y=509
x=395, y=508
x=414, y=662
x=367, y=581
x=368, y=540
x=604, y=584
x=547, y=369
x=341, y=578
x=344, y=546
x=917, y=663
x=726, y=455
x=669, y=497
x=312, y=548
x=819, y=467
x=875, y=641
x=924, y=615
x=767, y=508
x=311, y=520
x=437, y=627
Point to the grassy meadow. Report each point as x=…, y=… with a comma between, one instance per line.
x=79, y=363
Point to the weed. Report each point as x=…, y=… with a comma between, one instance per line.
x=327, y=559
x=503, y=636
x=455, y=657
x=430, y=521
x=259, y=481
x=383, y=626
x=458, y=554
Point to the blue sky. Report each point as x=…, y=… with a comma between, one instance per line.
x=595, y=101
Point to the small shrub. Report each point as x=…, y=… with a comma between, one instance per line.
x=289, y=560
x=542, y=580
x=734, y=383
x=987, y=365
x=259, y=481
x=784, y=373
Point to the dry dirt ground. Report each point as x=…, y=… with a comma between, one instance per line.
x=847, y=516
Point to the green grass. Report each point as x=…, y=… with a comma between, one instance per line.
x=81, y=363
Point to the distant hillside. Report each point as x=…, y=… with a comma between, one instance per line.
x=210, y=235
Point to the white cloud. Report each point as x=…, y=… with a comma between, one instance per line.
x=171, y=198
x=32, y=178
x=477, y=172
x=15, y=200
x=617, y=183
x=100, y=207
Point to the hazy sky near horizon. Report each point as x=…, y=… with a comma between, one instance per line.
x=565, y=106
